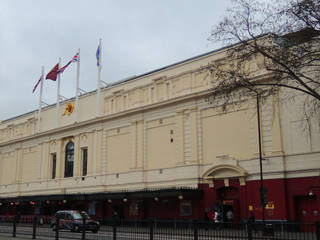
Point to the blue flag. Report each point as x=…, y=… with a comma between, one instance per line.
x=98, y=55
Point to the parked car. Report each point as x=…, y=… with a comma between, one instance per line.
x=73, y=220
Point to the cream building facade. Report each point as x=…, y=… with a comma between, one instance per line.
x=155, y=147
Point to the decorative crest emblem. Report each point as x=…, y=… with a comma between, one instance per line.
x=69, y=108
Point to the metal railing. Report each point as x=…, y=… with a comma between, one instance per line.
x=163, y=229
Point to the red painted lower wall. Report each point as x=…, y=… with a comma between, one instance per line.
x=296, y=199
x=288, y=199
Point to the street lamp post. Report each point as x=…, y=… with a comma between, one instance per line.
x=262, y=199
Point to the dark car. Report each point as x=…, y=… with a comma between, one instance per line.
x=73, y=220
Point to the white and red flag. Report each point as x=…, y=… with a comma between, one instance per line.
x=74, y=59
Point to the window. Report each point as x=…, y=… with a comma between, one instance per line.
x=84, y=161
x=68, y=166
x=53, y=165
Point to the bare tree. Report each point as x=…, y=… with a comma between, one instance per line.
x=307, y=12
x=271, y=46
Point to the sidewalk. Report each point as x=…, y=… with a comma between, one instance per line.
x=4, y=236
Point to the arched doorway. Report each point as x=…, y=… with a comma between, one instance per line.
x=227, y=182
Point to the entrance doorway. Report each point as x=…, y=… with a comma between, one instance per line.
x=229, y=198
x=307, y=209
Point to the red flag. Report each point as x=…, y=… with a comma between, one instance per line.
x=53, y=73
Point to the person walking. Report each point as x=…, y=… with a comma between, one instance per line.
x=216, y=217
x=230, y=216
x=213, y=216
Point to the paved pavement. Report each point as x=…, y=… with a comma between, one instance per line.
x=4, y=236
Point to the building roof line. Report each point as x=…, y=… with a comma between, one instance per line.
x=128, y=79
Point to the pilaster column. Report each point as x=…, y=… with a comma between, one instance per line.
x=140, y=143
x=193, y=81
x=91, y=163
x=277, y=145
x=45, y=161
x=194, y=134
x=180, y=137
x=60, y=159
x=133, y=163
x=19, y=165
x=137, y=130
x=97, y=147
x=77, y=156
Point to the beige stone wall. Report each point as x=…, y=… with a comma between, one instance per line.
x=119, y=150
x=157, y=130
x=8, y=168
x=226, y=134
x=300, y=136
x=30, y=164
x=161, y=143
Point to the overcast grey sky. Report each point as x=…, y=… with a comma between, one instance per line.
x=138, y=36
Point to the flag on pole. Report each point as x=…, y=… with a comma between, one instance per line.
x=98, y=55
x=53, y=73
x=61, y=70
x=35, y=87
x=74, y=59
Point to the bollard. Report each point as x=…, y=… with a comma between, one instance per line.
x=83, y=228
x=34, y=227
x=57, y=228
x=14, y=226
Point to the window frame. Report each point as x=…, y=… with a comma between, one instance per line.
x=84, y=161
x=53, y=165
x=69, y=164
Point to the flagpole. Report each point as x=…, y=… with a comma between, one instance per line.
x=40, y=97
x=58, y=96
x=99, y=79
x=77, y=87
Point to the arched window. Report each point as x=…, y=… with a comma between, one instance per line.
x=68, y=164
